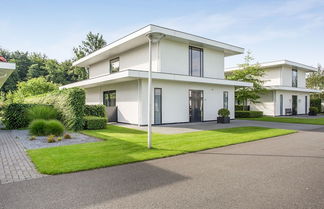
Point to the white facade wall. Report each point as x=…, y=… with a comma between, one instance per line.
x=175, y=100
x=266, y=105
x=127, y=95
x=272, y=76
x=287, y=101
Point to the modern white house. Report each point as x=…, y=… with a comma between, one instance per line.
x=286, y=82
x=188, y=82
x=5, y=71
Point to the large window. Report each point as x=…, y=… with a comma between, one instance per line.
x=225, y=99
x=196, y=61
x=109, y=98
x=114, y=65
x=157, y=106
x=294, y=78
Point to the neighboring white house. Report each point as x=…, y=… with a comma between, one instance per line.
x=5, y=71
x=286, y=81
x=188, y=77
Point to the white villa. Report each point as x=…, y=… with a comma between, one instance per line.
x=188, y=77
x=5, y=71
x=286, y=81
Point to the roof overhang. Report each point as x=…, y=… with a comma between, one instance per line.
x=286, y=88
x=128, y=75
x=139, y=38
x=5, y=71
x=278, y=63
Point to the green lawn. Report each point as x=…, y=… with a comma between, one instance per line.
x=122, y=145
x=314, y=121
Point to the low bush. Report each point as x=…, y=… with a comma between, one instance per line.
x=223, y=112
x=242, y=108
x=42, y=127
x=54, y=127
x=38, y=127
x=95, y=110
x=93, y=122
x=316, y=102
x=248, y=114
x=67, y=136
x=51, y=139
x=313, y=111
x=45, y=112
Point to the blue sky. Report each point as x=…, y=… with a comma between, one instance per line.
x=272, y=30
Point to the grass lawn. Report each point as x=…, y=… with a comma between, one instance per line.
x=123, y=145
x=314, y=121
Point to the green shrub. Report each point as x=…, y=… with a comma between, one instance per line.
x=51, y=139
x=38, y=127
x=316, y=103
x=95, y=110
x=68, y=102
x=248, y=114
x=54, y=127
x=223, y=112
x=93, y=122
x=242, y=107
x=42, y=127
x=45, y=112
x=313, y=111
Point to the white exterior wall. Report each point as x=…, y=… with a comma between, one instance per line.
x=174, y=58
x=126, y=99
x=266, y=105
x=287, y=101
x=272, y=76
x=175, y=100
x=301, y=79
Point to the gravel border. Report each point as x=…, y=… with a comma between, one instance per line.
x=41, y=141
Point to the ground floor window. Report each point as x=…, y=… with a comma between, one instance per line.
x=306, y=105
x=294, y=104
x=225, y=99
x=157, y=106
x=109, y=98
x=196, y=98
x=281, y=104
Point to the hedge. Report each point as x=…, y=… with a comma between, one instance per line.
x=248, y=114
x=69, y=104
x=95, y=110
x=316, y=103
x=242, y=107
x=15, y=115
x=94, y=122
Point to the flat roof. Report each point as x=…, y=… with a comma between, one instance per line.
x=280, y=63
x=288, y=88
x=138, y=38
x=128, y=75
x=6, y=69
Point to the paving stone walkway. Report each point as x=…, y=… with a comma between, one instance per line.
x=14, y=162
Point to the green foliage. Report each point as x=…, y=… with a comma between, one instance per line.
x=93, y=122
x=42, y=127
x=242, y=107
x=15, y=116
x=92, y=43
x=223, y=112
x=51, y=139
x=313, y=111
x=248, y=73
x=59, y=139
x=248, y=114
x=316, y=103
x=45, y=112
x=38, y=127
x=68, y=102
x=95, y=110
x=54, y=127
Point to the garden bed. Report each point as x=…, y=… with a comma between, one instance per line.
x=41, y=141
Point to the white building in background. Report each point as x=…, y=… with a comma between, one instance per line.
x=286, y=81
x=5, y=71
x=188, y=77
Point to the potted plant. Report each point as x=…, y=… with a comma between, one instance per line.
x=313, y=111
x=223, y=116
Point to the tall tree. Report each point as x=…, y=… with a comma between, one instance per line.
x=248, y=73
x=92, y=43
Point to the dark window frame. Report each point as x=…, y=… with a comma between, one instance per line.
x=294, y=82
x=202, y=104
x=111, y=62
x=160, y=107
x=109, y=99
x=225, y=93
x=201, y=50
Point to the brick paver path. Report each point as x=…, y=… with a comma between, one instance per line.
x=14, y=163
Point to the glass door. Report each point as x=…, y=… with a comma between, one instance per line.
x=294, y=105
x=196, y=98
x=157, y=106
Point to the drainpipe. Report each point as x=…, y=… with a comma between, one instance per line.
x=153, y=38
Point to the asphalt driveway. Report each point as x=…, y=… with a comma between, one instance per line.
x=281, y=172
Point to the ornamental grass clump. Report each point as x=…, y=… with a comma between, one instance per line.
x=42, y=127
x=45, y=112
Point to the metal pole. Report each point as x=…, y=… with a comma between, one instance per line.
x=149, y=97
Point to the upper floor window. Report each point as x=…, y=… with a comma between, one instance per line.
x=114, y=65
x=196, y=61
x=294, y=78
x=109, y=98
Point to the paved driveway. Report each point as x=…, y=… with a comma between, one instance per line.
x=281, y=172
x=190, y=127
